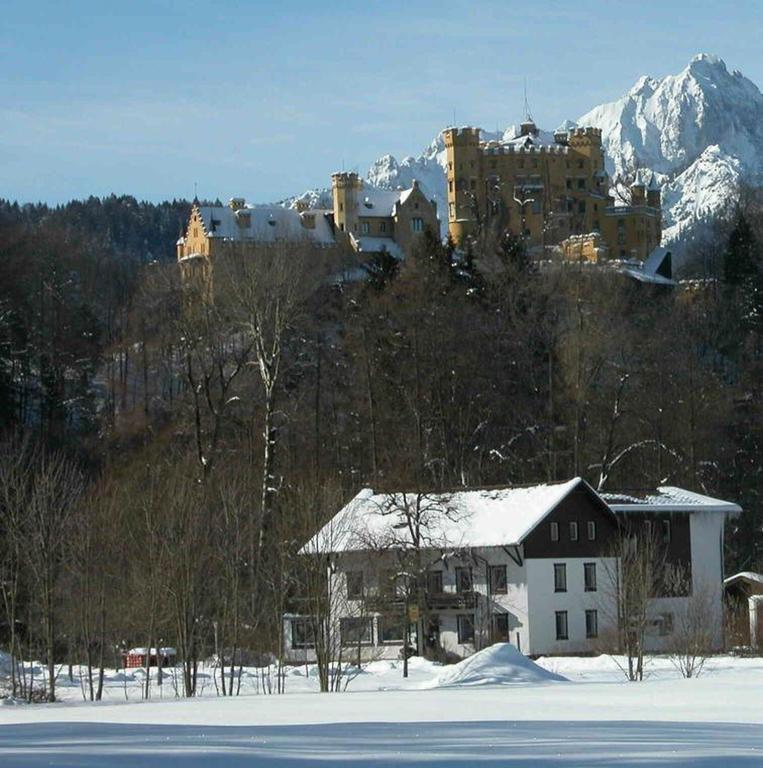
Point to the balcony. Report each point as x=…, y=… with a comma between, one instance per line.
x=443, y=601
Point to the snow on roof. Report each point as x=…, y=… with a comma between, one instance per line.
x=364, y=244
x=744, y=576
x=379, y=202
x=650, y=270
x=476, y=518
x=267, y=224
x=667, y=499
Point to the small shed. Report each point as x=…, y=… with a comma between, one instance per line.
x=152, y=657
x=744, y=603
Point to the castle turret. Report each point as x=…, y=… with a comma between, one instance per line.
x=654, y=194
x=346, y=188
x=587, y=141
x=464, y=170
x=638, y=194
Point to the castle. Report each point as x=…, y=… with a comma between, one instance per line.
x=380, y=219
x=365, y=219
x=551, y=189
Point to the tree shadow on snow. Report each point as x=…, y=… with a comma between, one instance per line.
x=541, y=744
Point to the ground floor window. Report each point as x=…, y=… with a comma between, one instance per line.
x=465, y=623
x=302, y=633
x=561, y=625
x=591, y=624
x=356, y=631
x=500, y=627
x=391, y=628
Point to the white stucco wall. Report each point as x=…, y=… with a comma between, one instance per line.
x=543, y=603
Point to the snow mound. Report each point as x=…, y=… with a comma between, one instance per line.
x=499, y=664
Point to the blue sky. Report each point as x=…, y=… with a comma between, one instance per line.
x=266, y=99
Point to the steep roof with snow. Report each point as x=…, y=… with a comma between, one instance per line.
x=267, y=224
x=474, y=518
x=668, y=499
x=380, y=203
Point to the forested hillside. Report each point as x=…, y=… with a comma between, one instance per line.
x=164, y=458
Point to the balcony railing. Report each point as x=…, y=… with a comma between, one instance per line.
x=441, y=601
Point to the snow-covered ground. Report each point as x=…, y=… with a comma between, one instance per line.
x=500, y=710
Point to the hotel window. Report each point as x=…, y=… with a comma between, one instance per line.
x=554, y=531
x=591, y=525
x=497, y=580
x=589, y=576
x=434, y=582
x=573, y=531
x=500, y=628
x=465, y=622
x=354, y=584
x=560, y=577
x=391, y=629
x=463, y=579
x=417, y=224
x=561, y=625
x=591, y=624
x=356, y=631
x=302, y=633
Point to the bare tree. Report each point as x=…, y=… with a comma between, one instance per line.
x=692, y=639
x=636, y=573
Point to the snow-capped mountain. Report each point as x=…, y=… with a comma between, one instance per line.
x=699, y=132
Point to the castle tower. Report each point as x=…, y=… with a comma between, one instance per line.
x=638, y=193
x=345, y=190
x=587, y=141
x=464, y=171
x=654, y=194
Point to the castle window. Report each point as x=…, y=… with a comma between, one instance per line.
x=341, y=206
x=417, y=224
x=452, y=210
x=364, y=227
x=450, y=186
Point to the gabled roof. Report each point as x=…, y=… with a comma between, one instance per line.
x=668, y=499
x=474, y=518
x=266, y=224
